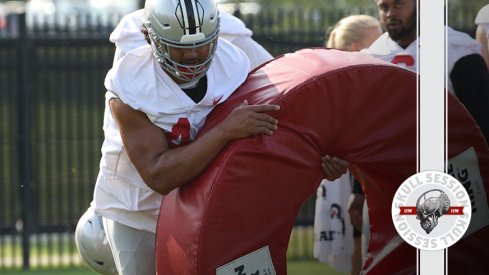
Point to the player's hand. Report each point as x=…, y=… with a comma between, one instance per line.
x=333, y=167
x=246, y=120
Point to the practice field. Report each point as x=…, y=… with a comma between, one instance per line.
x=293, y=268
x=299, y=256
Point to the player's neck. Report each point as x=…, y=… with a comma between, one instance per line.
x=406, y=40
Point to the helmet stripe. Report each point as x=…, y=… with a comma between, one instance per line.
x=190, y=16
x=183, y=12
x=197, y=15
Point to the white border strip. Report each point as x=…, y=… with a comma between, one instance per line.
x=431, y=108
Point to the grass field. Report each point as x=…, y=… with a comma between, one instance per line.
x=293, y=268
x=51, y=254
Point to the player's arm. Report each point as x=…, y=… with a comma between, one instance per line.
x=164, y=169
x=480, y=36
x=355, y=206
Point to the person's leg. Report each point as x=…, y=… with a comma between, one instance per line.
x=365, y=231
x=133, y=250
x=356, y=257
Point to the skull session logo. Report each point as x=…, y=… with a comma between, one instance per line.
x=431, y=210
x=428, y=210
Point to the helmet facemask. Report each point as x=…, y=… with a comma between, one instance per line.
x=184, y=72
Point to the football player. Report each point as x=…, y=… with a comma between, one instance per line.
x=158, y=96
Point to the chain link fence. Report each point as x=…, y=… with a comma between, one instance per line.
x=51, y=110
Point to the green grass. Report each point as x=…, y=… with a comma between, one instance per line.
x=299, y=256
x=310, y=267
x=73, y=271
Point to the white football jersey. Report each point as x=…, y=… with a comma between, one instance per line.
x=333, y=232
x=459, y=45
x=127, y=36
x=139, y=81
x=235, y=31
x=388, y=50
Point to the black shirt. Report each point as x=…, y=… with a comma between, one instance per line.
x=197, y=93
x=470, y=79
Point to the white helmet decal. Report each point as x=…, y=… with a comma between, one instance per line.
x=190, y=14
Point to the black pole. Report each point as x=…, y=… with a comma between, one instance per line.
x=25, y=146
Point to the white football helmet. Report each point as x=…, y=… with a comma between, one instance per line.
x=93, y=245
x=182, y=24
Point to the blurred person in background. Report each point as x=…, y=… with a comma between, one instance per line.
x=482, y=33
x=468, y=76
x=354, y=33
x=343, y=250
x=467, y=73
